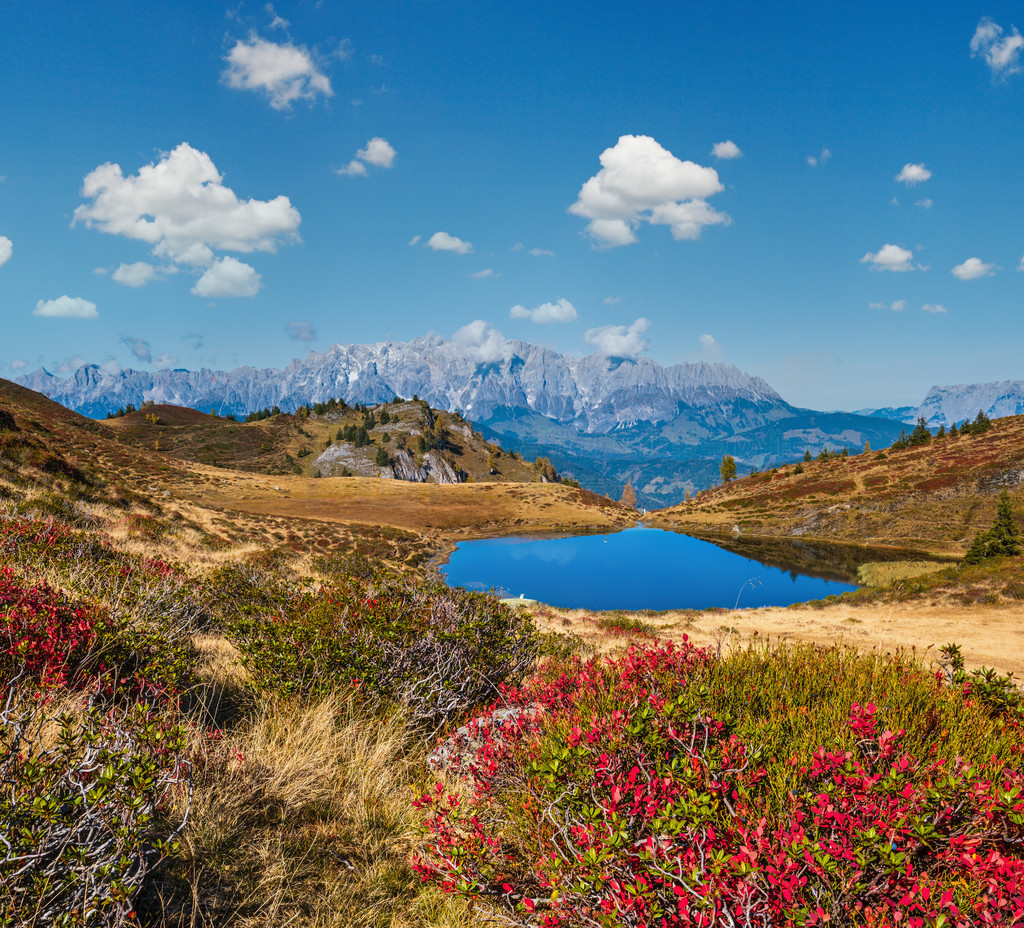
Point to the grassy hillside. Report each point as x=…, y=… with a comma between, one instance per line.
x=934, y=497
x=417, y=443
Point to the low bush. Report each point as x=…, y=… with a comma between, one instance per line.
x=439, y=651
x=81, y=808
x=667, y=787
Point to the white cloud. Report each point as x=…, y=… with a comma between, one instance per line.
x=896, y=306
x=541, y=253
x=70, y=364
x=135, y=275
x=890, y=258
x=480, y=275
x=301, y=332
x=611, y=300
x=180, y=207
x=66, y=307
x=547, y=313
x=1020, y=267
x=165, y=360
x=378, y=152
x=414, y=240
x=518, y=246
x=725, y=150
x=228, y=277
x=972, y=269
x=138, y=347
x=911, y=174
x=926, y=203
x=353, y=169
x=709, y=346
x=482, y=343
x=934, y=308
x=619, y=341
x=1002, y=53
x=285, y=72
x=18, y=364
x=640, y=181
x=442, y=241
x=823, y=158
x=6, y=248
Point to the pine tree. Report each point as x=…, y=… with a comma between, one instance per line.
x=628, y=496
x=382, y=459
x=807, y=456
x=954, y=432
x=921, y=434
x=727, y=468
x=1002, y=540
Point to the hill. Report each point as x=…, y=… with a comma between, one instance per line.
x=115, y=476
x=932, y=497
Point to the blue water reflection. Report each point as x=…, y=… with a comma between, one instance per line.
x=640, y=568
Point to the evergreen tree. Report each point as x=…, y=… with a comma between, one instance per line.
x=941, y=433
x=1002, y=540
x=807, y=456
x=921, y=434
x=727, y=468
x=382, y=459
x=953, y=431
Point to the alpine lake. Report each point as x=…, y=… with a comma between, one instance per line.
x=645, y=568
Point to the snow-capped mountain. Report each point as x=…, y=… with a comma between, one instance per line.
x=946, y=405
x=603, y=419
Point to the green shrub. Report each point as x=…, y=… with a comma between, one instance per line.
x=437, y=650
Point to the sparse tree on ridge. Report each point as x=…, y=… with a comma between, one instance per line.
x=628, y=496
x=727, y=468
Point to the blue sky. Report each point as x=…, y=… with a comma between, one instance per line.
x=828, y=197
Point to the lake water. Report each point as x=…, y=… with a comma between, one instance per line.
x=640, y=568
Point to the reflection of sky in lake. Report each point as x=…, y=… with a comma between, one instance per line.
x=639, y=568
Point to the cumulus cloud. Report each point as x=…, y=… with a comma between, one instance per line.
x=547, y=313
x=934, y=308
x=480, y=275
x=138, y=274
x=300, y=332
x=640, y=181
x=69, y=364
x=18, y=364
x=284, y=72
x=896, y=306
x=972, y=269
x=482, y=343
x=725, y=150
x=378, y=152
x=1001, y=51
x=6, y=248
x=823, y=158
x=442, y=241
x=619, y=341
x=890, y=258
x=541, y=253
x=181, y=208
x=709, y=346
x=165, y=360
x=911, y=174
x=138, y=347
x=228, y=277
x=66, y=307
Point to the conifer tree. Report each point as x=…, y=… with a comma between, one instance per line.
x=727, y=468
x=1002, y=540
x=807, y=456
x=628, y=496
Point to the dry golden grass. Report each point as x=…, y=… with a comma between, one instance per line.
x=882, y=573
x=991, y=635
x=302, y=817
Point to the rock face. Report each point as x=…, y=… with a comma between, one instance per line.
x=946, y=405
x=603, y=420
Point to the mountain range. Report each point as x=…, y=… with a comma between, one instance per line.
x=602, y=420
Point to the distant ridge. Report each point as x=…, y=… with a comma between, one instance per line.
x=602, y=420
